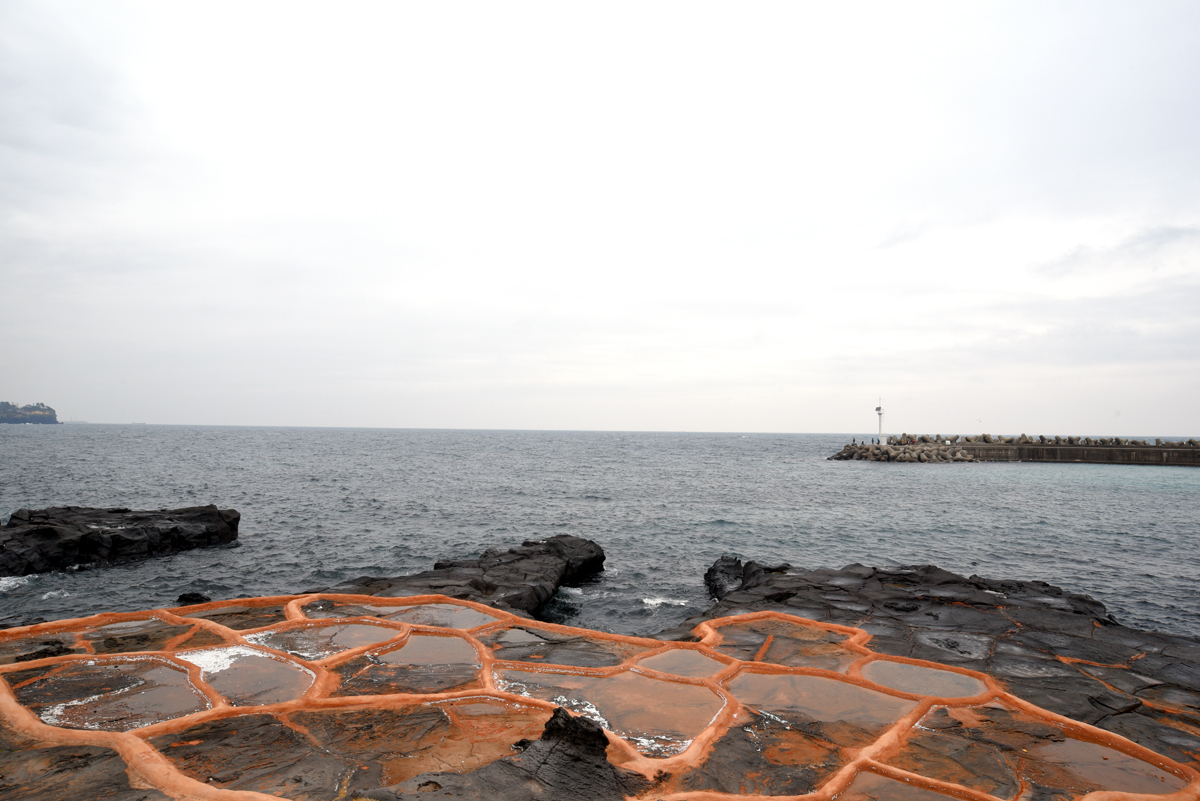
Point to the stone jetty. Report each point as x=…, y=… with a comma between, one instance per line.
x=1023, y=448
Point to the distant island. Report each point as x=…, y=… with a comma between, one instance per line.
x=33, y=413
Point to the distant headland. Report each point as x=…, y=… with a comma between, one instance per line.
x=33, y=413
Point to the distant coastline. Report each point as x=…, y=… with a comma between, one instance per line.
x=38, y=413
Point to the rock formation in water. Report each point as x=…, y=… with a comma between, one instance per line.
x=1059, y=650
x=31, y=413
x=39, y=540
x=521, y=579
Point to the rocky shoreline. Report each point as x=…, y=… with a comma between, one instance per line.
x=449, y=668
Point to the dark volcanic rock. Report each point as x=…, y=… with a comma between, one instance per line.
x=567, y=763
x=1059, y=650
x=36, y=541
x=518, y=580
x=724, y=576
x=29, y=772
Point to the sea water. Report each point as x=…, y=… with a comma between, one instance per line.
x=320, y=505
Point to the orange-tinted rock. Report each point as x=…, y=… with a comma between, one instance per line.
x=34, y=771
x=411, y=711
x=994, y=750
x=150, y=634
x=240, y=618
x=37, y=646
x=323, y=754
x=761, y=755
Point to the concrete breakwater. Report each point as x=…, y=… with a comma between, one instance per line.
x=1023, y=448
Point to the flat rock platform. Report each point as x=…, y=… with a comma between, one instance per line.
x=349, y=696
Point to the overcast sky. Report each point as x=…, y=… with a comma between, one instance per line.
x=637, y=216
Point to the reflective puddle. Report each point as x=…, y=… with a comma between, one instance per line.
x=426, y=663
x=250, y=677
x=838, y=711
x=998, y=750
x=540, y=646
x=111, y=696
x=869, y=786
x=444, y=615
x=318, y=642
x=241, y=618
x=660, y=718
x=922, y=680
x=684, y=662
x=133, y=635
x=782, y=642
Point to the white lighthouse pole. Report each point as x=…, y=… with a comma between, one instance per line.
x=879, y=411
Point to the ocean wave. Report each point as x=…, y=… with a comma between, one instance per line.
x=656, y=602
x=8, y=583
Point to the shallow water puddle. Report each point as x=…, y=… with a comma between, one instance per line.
x=37, y=646
x=783, y=642
x=995, y=750
x=542, y=646
x=318, y=642
x=684, y=662
x=250, y=677
x=1096, y=767
x=660, y=718
x=112, y=695
x=447, y=616
x=920, y=680
x=425, y=663
x=800, y=699
x=240, y=618
x=869, y=786
x=133, y=635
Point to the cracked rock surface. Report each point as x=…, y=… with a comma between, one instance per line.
x=1059, y=650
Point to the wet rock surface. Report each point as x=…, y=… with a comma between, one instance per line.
x=1059, y=650
x=41, y=540
x=521, y=579
x=567, y=762
x=327, y=696
x=30, y=771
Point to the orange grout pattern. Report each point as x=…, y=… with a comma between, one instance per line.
x=320, y=696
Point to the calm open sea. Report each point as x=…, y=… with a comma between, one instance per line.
x=322, y=505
